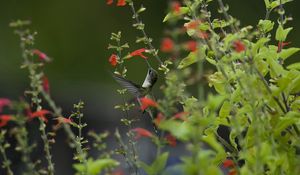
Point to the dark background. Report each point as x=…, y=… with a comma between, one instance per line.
x=76, y=34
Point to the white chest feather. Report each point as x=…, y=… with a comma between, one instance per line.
x=147, y=82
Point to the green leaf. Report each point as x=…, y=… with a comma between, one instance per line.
x=289, y=119
x=192, y=58
x=267, y=3
x=225, y=109
x=294, y=85
x=276, y=3
x=294, y=66
x=174, y=15
x=232, y=136
x=95, y=167
x=281, y=33
x=265, y=25
x=286, y=53
x=212, y=141
x=157, y=166
x=217, y=23
x=179, y=129
x=260, y=43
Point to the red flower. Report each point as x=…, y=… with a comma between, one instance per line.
x=203, y=35
x=113, y=59
x=180, y=115
x=121, y=3
x=146, y=102
x=4, y=102
x=4, y=119
x=140, y=132
x=41, y=55
x=138, y=52
x=192, y=24
x=228, y=163
x=118, y=172
x=167, y=45
x=171, y=140
x=65, y=120
x=39, y=114
x=239, y=46
x=46, y=85
x=191, y=45
x=109, y=2
x=158, y=119
x=281, y=45
x=176, y=6
x=232, y=172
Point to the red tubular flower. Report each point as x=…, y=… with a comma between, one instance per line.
x=158, y=119
x=171, y=140
x=39, y=114
x=167, y=45
x=46, y=85
x=176, y=7
x=191, y=45
x=192, y=24
x=118, y=172
x=4, y=119
x=138, y=52
x=228, y=163
x=41, y=55
x=109, y=2
x=113, y=60
x=232, y=172
x=181, y=116
x=146, y=102
x=141, y=132
x=4, y=102
x=281, y=45
x=239, y=46
x=64, y=120
x=121, y=3
x=203, y=35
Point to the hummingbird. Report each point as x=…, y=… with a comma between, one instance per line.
x=136, y=89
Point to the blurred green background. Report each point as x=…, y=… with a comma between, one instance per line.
x=76, y=34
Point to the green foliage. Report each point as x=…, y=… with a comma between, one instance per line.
x=95, y=167
x=157, y=166
x=249, y=89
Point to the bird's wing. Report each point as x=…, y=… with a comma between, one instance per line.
x=133, y=88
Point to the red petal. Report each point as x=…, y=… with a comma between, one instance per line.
x=4, y=102
x=171, y=140
x=121, y=3
x=142, y=133
x=41, y=55
x=281, y=45
x=167, y=45
x=191, y=45
x=109, y=2
x=239, y=46
x=4, y=119
x=147, y=102
x=158, y=119
x=40, y=114
x=139, y=52
x=46, y=86
x=113, y=59
x=180, y=115
x=232, y=172
x=176, y=6
x=228, y=163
